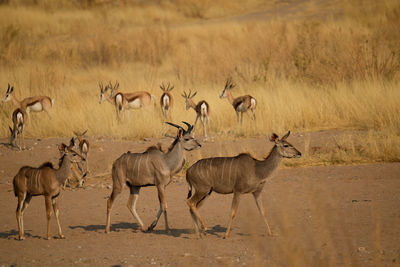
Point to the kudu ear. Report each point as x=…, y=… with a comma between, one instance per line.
x=286, y=135
x=273, y=138
x=62, y=147
x=195, y=93
x=72, y=142
x=8, y=89
x=84, y=132
x=12, y=89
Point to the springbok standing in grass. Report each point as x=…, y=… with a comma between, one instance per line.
x=241, y=104
x=166, y=101
x=19, y=119
x=45, y=181
x=124, y=101
x=150, y=168
x=202, y=110
x=35, y=103
x=239, y=175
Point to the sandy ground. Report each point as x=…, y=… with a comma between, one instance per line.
x=320, y=216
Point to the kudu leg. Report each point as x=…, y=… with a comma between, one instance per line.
x=260, y=206
x=21, y=200
x=241, y=117
x=235, y=205
x=47, y=201
x=57, y=213
x=24, y=206
x=163, y=208
x=110, y=202
x=133, y=197
x=194, y=203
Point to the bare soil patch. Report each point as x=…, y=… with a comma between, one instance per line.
x=320, y=215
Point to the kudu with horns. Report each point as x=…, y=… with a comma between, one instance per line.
x=202, y=110
x=239, y=175
x=45, y=181
x=150, y=168
x=124, y=101
x=166, y=100
x=241, y=104
x=34, y=103
x=19, y=119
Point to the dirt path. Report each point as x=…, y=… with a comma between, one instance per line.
x=337, y=215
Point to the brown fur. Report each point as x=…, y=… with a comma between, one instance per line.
x=239, y=175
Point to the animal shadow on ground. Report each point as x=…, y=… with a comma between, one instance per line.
x=117, y=227
x=14, y=233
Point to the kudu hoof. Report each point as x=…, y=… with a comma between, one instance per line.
x=21, y=238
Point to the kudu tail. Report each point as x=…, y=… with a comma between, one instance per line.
x=15, y=188
x=190, y=188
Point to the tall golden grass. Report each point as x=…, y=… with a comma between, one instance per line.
x=307, y=72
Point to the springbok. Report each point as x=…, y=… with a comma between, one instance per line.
x=19, y=119
x=166, y=101
x=124, y=101
x=240, y=104
x=82, y=145
x=239, y=175
x=35, y=103
x=202, y=110
x=45, y=181
x=150, y=168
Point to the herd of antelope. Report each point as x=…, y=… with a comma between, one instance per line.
x=238, y=175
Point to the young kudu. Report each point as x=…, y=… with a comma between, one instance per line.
x=241, y=104
x=83, y=145
x=19, y=119
x=45, y=181
x=202, y=110
x=35, y=103
x=79, y=142
x=124, y=101
x=150, y=168
x=239, y=175
x=166, y=101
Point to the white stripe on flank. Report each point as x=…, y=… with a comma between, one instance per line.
x=230, y=170
x=223, y=169
x=140, y=159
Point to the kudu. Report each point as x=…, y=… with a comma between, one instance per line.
x=202, y=110
x=239, y=175
x=35, y=103
x=124, y=101
x=166, y=100
x=45, y=181
x=82, y=144
x=150, y=168
x=19, y=119
x=241, y=104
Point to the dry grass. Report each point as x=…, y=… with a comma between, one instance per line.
x=307, y=74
